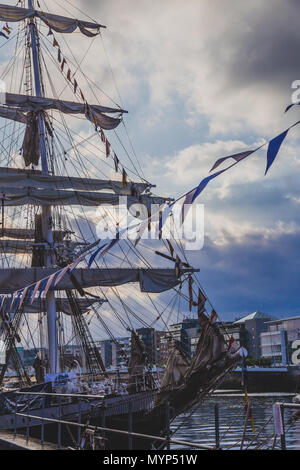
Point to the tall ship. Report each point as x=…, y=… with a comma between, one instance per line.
x=62, y=285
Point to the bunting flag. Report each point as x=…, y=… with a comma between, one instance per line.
x=23, y=296
x=191, y=282
x=75, y=86
x=237, y=157
x=95, y=122
x=59, y=55
x=61, y=275
x=82, y=95
x=160, y=225
x=94, y=255
x=187, y=203
x=6, y=29
x=4, y=35
x=116, y=162
x=49, y=283
x=124, y=179
x=107, y=147
x=36, y=288
x=42, y=287
x=103, y=138
x=50, y=32
x=55, y=43
x=63, y=64
x=69, y=75
x=15, y=304
x=273, y=148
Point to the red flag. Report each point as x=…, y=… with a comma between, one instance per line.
x=55, y=43
x=63, y=64
x=6, y=29
x=69, y=75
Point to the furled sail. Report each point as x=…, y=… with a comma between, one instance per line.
x=28, y=234
x=150, y=280
x=62, y=305
x=22, y=246
x=13, y=114
x=34, y=179
x=34, y=104
x=60, y=24
x=15, y=196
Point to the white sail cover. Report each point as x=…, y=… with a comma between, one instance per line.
x=34, y=179
x=46, y=197
x=26, y=104
x=60, y=24
x=150, y=280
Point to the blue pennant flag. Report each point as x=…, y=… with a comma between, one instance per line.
x=95, y=254
x=274, y=147
x=205, y=182
x=4, y=35
x=42, y=287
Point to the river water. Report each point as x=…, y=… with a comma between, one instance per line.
x=200, y=426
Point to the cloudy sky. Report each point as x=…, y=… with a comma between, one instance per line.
x=203, y=79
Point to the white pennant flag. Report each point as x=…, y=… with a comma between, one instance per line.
x=35, y=291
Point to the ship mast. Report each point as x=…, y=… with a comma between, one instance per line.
x=46, y=211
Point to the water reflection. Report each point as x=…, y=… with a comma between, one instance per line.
x=200, y=427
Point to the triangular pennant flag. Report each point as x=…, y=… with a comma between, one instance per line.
x=69, y=75
x=205, y=182
x=61, y=275
x=17, y=300
x=75, y=86
x=50, y=33
x=23, y=296
x=187, y=203
x=95, y=121
x=116, y=162
x=103, y=138
x=273, y=148
x=36, y=288
x=6, y=29
x=59, y=55
x=160, y=225
x=124, y=179
x=237, y=157
x=107, y=145
x=4, y=35
x=49, y=283
x=42, y=287
x=55, y=43
x=63, y=64
x=95, y=254
x=82, y=95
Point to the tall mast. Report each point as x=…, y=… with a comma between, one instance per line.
x=46, y=211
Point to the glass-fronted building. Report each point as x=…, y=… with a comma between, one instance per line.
x=277, y=342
